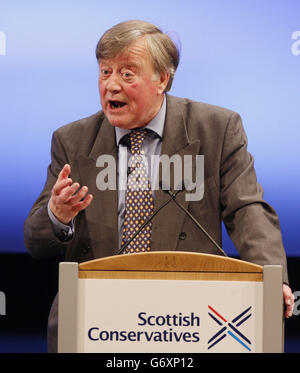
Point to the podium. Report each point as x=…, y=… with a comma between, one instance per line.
x=170, y=302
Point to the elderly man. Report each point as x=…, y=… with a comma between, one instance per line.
x=73, y=216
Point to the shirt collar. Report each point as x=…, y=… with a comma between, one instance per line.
x=156, y=124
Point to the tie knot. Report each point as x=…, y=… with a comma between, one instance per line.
x=136, y=140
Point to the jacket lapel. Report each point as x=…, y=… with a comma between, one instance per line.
x=168, y=223
x=102, y=214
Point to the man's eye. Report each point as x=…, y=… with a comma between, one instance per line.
x=127, y=74
x=104, y=72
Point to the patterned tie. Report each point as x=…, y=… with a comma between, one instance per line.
x=139, y=200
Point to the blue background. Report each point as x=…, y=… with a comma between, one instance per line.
x=236, y=54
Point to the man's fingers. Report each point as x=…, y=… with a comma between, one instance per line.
x=60, y=185
x=68, y=192
x=72, y=195
x=78, y=196
x=68, y=199
x=64, y=173
x=83, y=204
x=289, y=309
x=288, y=300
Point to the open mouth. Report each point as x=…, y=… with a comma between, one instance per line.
x=116, y=104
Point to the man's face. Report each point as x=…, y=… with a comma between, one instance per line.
x=131, y=92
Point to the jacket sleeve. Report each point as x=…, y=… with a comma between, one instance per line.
x=39, y=236
x=251, y=223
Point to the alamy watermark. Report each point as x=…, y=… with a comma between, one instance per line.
x=2, y=304
x=175, y=172
x=295, y=48
x=296, y=310
x=2, y=43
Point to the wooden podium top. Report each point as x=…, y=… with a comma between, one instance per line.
x=171, y=265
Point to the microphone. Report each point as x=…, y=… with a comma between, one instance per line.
x=173, y=196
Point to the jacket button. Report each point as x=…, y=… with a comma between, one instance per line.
x=182, y=236
x=86, y=249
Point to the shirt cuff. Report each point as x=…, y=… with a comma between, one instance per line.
x=62, y=231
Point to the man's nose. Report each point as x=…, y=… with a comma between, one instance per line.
x=113, y=83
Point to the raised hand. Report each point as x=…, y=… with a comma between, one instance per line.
x=67, y=198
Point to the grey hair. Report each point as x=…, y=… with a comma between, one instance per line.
x=163, y=51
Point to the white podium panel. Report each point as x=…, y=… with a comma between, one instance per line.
x=169, y=302
x=167, y=316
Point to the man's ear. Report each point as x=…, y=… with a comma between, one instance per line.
x=163, y=82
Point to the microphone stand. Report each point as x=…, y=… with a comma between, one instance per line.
x=173, y=196
x=195, y=221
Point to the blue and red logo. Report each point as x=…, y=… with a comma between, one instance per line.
x=230, y=328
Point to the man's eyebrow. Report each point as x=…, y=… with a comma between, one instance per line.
x=103, y=63
x=125, y=64
x=131, y=65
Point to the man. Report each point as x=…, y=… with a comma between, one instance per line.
x=137, y=66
